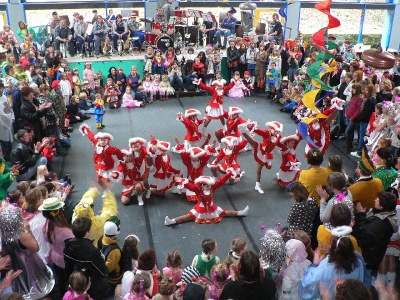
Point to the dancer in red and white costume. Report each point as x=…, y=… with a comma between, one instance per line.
x=103, y=154
x=195, y=159
x=205, y=211
x=229, y=155
x=131, y=179
x=289, y=170
x=231, y=124
x=263, y=151
x=163, y=175
x=214, y=108
x=193, y=137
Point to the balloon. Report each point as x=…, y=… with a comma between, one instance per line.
x=378, y=59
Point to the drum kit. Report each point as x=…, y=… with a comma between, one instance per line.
x=176, y=31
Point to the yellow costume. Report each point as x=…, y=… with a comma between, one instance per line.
x=324, y=238
x=84, y=209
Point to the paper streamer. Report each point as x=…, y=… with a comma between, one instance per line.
x=333, y=22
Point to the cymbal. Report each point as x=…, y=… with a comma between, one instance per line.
x=145, y=20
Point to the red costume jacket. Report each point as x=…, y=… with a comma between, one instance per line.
x=232, y=125
x=192, y=129
x=162, y=164
x=192, y=172
x=216, y=100
x=230, y=159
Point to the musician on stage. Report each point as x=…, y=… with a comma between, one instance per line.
x=209, y=30
x=119, y=31
x=228, y=27
x=180, y=23
x=160, y=17
x=81, y=37
x=276, y=30
x=62, y=34
x=136, y=29
x=168, y=10
x=53, y=23
x=100, y=31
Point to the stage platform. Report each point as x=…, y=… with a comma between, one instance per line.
x=147, y=221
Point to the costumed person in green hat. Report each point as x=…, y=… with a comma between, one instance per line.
x=6, y=175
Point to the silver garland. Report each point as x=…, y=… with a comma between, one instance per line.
x=272, y=253
x=10, y=224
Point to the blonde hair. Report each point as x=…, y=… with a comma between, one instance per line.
x=40, y=171
x=82, y=95
x=165, y=77
x=238, y=244
x=219, y=272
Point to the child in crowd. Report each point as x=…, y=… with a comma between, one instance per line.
x=76, y=79
x=85, y=104
x=165, y=88
x=158, y=63
x=79, y=284
x=199, y=68
x=49, y=151
x=166, y=288
x=289, y=170
x=217, y=59
x=23, y=186
x=156, y=85
x=128, y=101
x=207, y=259
x=237, y=91
x=190, y=54
x=272, y=79
x=148, y=87
x=219, y=277
x=99, y=82
x=210, y=65
x=238, y=246
x=99, y=111
x=75, y=115
x=248, y=83
x=130, y=253
x=335, y=163
x=175, y=75
x=148, y=59
x=169, y=57
x=88, y=90
x=16, y=198
x=121, y=80
x=111, y=95
x=89, y=75
x=179, y=57
x=20, y=73
x=174, y=266
x=40, y=173
x=140, y=95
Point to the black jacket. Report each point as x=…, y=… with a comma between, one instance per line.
x=372, y=232
x=33, y=116
x=24, y=155
x=368, y=107
x=81, y=254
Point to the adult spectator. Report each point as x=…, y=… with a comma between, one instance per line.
x=353, y=110
x=352, y=289
x=32, y=112
x=62, y=35
x=133, y=79
x=100, y=30
x=53, y=23
x=209, y=30
x=250, y=284
x=385, y=170
x=112, y=74
x=368, y=107
x=16, y=105
x=9, y=76
x=168, y=10
x=366, y=188
x=315, y=175
x=227, y=28
x=119, y=31
x=373, y=230
x=80, y=253
x=6, y=120
x=276, y=30
x=58, y=104
x=342, y=262
x=37, y=75
x=27, y=157
x=336, y=76
x=110, y=18
x=53, y=61
x=385, y=93
x=24, y=30
x=81, y=37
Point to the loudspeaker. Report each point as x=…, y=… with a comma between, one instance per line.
x=247, y=21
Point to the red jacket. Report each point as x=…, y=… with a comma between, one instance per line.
x=354, y=108
x=192, y=129
x=193, y=173
x=163, y=168
x=216, y=100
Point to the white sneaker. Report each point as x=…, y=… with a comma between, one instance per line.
x=355, y=154
x=148, y=193
x=242, y=174
x=169, y=221
x=243, y=212
x=140, y=200
x=259, y=189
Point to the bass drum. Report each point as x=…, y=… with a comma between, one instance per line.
x=164, y=42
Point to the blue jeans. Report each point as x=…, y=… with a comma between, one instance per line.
x=80, y=41
x=349, y=134
x=225, y=33
x=362, y=129
x=178, y=81
x=115, y=39
x=32, y=170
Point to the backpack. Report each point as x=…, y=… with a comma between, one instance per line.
x=105, y=251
